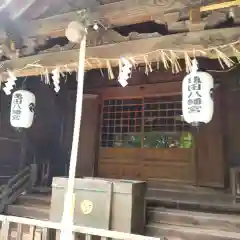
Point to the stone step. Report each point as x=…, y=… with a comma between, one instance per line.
x=172, y=232
x=224, y=222
x=28, y=211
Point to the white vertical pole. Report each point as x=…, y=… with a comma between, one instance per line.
x=69, y=202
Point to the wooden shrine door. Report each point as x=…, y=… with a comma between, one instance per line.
x=141, y=139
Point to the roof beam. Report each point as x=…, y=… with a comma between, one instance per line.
x=191, y=40
x=118, y=14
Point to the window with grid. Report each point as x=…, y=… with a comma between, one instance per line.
x=154, y=122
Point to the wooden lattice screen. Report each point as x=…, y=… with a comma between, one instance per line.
x=133, y=122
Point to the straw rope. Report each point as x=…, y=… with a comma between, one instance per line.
x=168, y=57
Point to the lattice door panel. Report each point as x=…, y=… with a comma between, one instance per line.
x=135, y=122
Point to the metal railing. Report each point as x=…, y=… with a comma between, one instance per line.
x=23, y=181
x=16, y=228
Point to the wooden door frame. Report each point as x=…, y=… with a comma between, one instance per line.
x=139, y=91
x=96, y=150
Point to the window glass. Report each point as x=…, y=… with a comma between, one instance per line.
x=154, y=122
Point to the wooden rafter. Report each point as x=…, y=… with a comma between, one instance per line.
x=97, y=56
x=134, y=11
x=211, y=21
x=216, y=6
x=117, y=14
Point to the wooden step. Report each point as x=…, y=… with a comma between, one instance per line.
x=40, y=189
x=34, y=199
x=220, y=202
x=172, y=232
x=180, y=187
x=36, y=212
x=224, y=222
x=179, y=195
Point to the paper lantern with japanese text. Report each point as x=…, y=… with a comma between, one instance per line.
x=197, y=98
x=22, y=109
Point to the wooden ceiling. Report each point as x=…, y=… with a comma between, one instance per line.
x=33, y=9
x=178, y=23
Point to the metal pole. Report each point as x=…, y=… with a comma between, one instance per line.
x=69, y=202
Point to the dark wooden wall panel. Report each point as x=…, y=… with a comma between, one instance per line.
x=232, y=126
x=89, y=135
x=10, y=146
x=210, y=154
x=141, y=163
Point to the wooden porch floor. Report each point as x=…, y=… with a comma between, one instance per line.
x=191, y=198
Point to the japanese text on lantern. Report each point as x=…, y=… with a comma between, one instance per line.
x=17, y=109
x=194, y=94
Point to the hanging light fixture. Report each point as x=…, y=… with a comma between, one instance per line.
x=197, y=96
x=22, y=109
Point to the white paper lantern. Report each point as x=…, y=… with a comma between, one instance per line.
x=22, y=109
x=197, y=99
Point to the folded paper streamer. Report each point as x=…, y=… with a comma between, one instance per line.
x=56, y=79
x=125, y=70
x=10, y=83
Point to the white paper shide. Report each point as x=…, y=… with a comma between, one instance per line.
x=197, y=97
x=125, y=72
x=22, y=109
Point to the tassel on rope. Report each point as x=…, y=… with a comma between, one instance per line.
x=188, y=62
x=235, y=52
x=100, y=67
x=110, y=71
x=1, y=81
x=89, y=64
x=133, y=62
x=120, y=65
x=41, y=76
x=47, y=79
x=67, y=69
x=165, y=59
x=148, y=67
x=158, y=61
x=176, y=68
x=223, y=59
x=62, y=74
